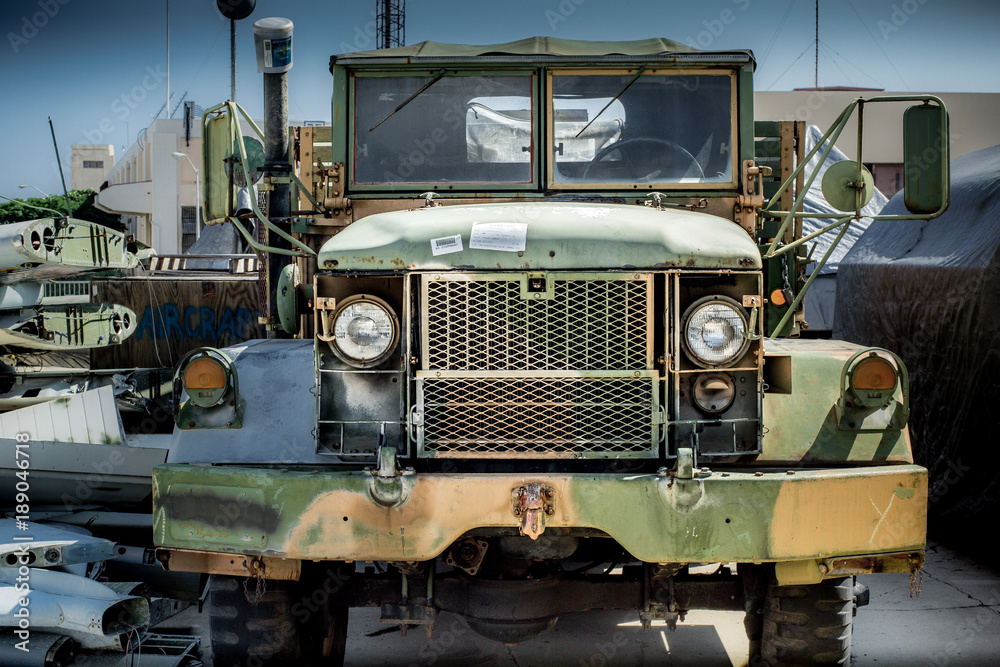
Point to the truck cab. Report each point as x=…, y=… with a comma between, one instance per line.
x=536, y=371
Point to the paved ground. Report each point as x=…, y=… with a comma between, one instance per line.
x=955, y=621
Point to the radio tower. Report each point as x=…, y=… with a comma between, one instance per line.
x=390, y=20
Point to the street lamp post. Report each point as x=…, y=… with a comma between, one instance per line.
x=44, y=194
x=197, y=186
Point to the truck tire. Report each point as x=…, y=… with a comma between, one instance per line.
x=808, y=625
x=278, y=630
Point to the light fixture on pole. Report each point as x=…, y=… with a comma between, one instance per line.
x=44, y=194
x=197, y=186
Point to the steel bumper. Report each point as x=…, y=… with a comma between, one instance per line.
x=718, y=516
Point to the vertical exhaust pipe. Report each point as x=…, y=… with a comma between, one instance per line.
x=273, y=40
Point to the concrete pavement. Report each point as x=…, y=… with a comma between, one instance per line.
x=954, y=622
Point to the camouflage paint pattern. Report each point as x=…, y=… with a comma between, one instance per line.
x=718, y=516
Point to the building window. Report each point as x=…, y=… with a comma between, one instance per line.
x=888, y=176
x=189, y=226
x=93, y=164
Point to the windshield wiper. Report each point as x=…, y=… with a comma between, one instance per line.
x=620, y=92
x=412, y=97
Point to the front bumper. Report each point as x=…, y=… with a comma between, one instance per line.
x=718, y=516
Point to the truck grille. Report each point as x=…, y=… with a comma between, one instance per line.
x=564, y=371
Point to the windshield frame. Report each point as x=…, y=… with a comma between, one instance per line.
x=355, y=125
x=624, y=186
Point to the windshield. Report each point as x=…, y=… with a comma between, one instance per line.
x=458, y=129
x=642, y=127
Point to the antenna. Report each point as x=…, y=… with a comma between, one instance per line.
x=234, y=10
x=69, y=209
x=816, y=61
x=232, y=59
x=390, y=22
x=166, y=106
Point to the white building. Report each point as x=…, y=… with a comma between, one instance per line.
x=154, y=191
x=972, y=117
x=90, y=165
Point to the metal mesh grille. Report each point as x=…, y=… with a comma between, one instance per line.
x=588, y=324
x=539, y=416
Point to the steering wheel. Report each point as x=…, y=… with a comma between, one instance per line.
x=645, y=157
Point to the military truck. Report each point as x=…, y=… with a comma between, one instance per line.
x=534, y=367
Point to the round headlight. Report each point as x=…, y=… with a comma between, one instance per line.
x=715, y=331
x=365, y=331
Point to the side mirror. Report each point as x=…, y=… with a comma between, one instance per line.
x=925, y=158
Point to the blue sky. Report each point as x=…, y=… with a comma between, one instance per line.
x=98, y=67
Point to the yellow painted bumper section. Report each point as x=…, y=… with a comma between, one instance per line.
x=773, y=515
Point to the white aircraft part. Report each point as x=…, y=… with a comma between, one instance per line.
x=50, y=546
x=84, y=609
x=24, y=295
x=90, y=417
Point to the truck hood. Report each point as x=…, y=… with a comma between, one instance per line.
x=540, y=235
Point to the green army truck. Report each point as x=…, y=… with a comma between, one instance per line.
x=538, y=364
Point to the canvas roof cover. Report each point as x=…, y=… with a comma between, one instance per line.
x=930, y=291
x=537, y=48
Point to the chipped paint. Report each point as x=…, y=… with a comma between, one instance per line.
x=801, y=424
x=611, y=236
x=738, y=517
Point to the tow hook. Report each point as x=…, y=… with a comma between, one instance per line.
x=531, y=503
x=387, y=485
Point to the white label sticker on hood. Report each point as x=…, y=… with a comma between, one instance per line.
x=505, y=236
x=446, y=244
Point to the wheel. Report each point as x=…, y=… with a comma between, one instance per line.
x=291, y=623
x=808, y=625
x=645, y=158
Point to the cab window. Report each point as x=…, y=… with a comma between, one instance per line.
x=628, y=128
x=455, y=129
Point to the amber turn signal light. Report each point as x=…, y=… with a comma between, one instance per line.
x=874, y=374
x=205, y=373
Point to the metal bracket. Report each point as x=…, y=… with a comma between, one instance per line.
x=661, y=604
x=405, y=615
x=531, y=503
x=467, y=554
x=752, y=197
x=658, y=203
x=685, y=462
